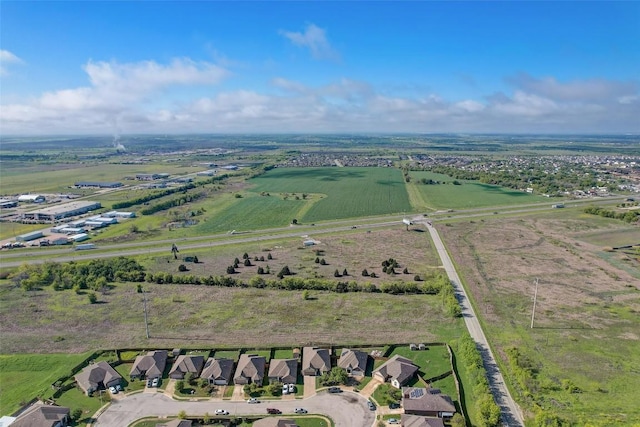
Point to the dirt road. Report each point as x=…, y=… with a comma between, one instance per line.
x=511, y=414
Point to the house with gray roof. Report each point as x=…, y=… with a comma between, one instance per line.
x=283, y=371
x=428, y=402
x=274, y=422
x=150, y=365
x=407, y=420
x=315, y=361
x=185, y=364
x=354, y=362
x=97, y=376
x=218, y=371
x=398, y=371
x=41, y=415
x=250, y=369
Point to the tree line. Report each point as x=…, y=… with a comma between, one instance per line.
x=628, y=216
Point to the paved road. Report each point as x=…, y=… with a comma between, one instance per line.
x=511, y=414
x=347, y=409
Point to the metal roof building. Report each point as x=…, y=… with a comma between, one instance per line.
x=65, y=210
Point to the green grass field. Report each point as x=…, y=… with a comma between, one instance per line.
x=24, y=376
x=468, y=195
x=347, y=192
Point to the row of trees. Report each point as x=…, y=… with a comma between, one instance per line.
x=96, y=274
x=628, y=216
x=168, y=204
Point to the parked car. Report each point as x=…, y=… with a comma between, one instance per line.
x=292, y=388
x=393, y=421
x=273, y=411
x=113, y=390
x=149, y=382
x=118, y=387
x=334, y=390
x=155, y=382
x=285, y=389
x=253, y=400
x=300, y=411
x=221, y=412
x=371, y=406
x=394, y=405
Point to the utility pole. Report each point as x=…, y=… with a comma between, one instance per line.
x=535, y=299
x=146, y=319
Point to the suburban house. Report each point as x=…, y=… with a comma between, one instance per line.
x=315, y=361
x=97, y=376
x=407, y=420
x=354, y=362
x=274, y=422
x=283, y=371
x=185, y=364
x=398, y=371
x=427, y=402
x=218, y=371
x=250, y=369
x=151, y=365
x=176, y=423
x=41, y=415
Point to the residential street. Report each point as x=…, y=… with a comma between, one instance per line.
x=511, y=415
x=347, y=409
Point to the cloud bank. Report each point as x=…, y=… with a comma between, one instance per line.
x=135, y=97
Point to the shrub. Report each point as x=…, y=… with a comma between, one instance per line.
x=182, y=267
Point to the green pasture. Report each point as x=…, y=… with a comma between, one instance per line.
x=346, y=192
x=24, y=376
x=467, y=195
x=9, y=230
x=627, y=235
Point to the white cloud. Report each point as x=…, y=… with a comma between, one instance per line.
x=314, y=38
x=7, y=58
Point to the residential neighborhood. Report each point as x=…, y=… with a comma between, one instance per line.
x=258, y=382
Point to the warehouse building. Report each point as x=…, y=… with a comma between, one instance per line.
x=65, y=210
x=97, y=184
x=30, y=236
x=31, y=198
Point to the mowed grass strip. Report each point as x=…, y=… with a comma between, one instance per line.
x=467, y=195
x=23, y=376
x=350, y=192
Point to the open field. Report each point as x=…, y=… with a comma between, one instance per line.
x=584, y=351
x=467, y=195
x=23, y=376
x=354, y=251
x=346, y=192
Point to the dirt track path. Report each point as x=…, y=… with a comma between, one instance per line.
x=510, y=411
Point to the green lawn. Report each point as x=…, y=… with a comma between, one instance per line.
x=24, y=376
x=226, y=354
x=468, y=195
x=432, y=362
x=75, y=398
x=283, y=354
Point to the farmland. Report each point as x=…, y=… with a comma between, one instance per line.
x=467, y=195
x=346, y=192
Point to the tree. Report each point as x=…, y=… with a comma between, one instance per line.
x=139, y=288
x=323, y=262
x=76, y=414
x=182, y=267
x=458, y=421
x=260, y=270
x=179, y=386
x=269, y=256
x=182, y=414
x=206, y=418
x=317, y=260
x=92, y=297
x=245, y=256
x=365, y=273
x=231, y=270
x=294, y=221
x=247, y=262
x=305, y=294
x=405, y=271
x=336, y=273
x=345, y=272
x=195, y=260
x=416, y=277
x=190, y=378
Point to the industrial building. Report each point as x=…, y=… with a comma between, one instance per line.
x=151, y=176
x=30, y=236
x=31, y=198
x=6, y=204
x=118, y=214
x=98, y=184
x=65, y=210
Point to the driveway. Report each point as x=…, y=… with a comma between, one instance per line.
x=510, y=411
x=347, y=409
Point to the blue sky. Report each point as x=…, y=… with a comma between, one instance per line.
x=269, y=66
